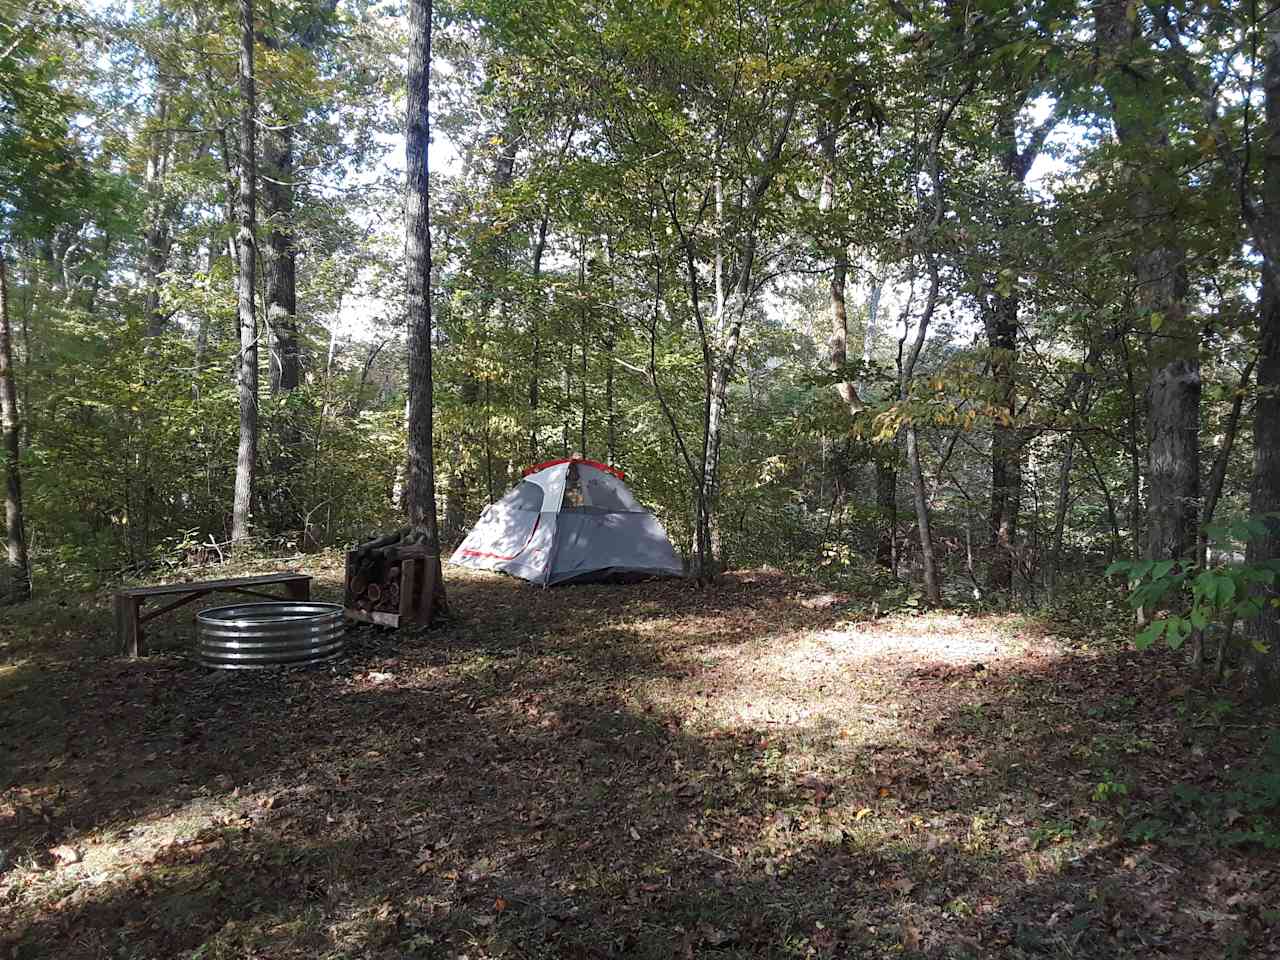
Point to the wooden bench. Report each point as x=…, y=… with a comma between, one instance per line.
x=129, y=602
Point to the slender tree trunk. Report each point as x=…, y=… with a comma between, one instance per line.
x=1006, y=446
x=838, y=335
x=610, y=412
x=1113, y=514
x=1135, y=454
x=1139, y=113
x=535, y=358
x=565, y=429
x=932, y=587
x=157, y=231
x=610, y=342
x=1002, y=340
x=1221, y=460
x=247, y=379
x=16, y=584
x=585, y=318
x=420, y=473
x=280, y=263
x=1060, y=516
x=1263, y=664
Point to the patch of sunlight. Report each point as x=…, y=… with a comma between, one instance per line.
x=103, y=856
x=933, y=638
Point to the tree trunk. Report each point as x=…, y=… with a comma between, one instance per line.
x=535, y=358
x=1138, y=105
x=838, y=337
x=247, y=379
x=1263, y=665
x=280, y=263
x=1221, y=460
x=1060, y=516
x=906, y=371
x=1002, y=341
x=157, y=235
x=16, y=584
x=585, y=317
x=1006, y=446
x=932, y=588
x=420, y=472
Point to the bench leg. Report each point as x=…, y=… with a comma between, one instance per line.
x=128, y=627
x=298, y=589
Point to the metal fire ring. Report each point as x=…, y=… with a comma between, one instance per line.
x=246, y=636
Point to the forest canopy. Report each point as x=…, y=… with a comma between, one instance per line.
x=949, y=303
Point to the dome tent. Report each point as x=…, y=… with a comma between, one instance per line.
x=569, y=519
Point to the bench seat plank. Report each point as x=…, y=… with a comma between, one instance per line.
x=165, y=589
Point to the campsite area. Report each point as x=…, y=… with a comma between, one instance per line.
x=648, y=770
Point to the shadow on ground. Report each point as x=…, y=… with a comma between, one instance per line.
x=642, y=770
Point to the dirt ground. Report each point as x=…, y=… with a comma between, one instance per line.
x=627, y=771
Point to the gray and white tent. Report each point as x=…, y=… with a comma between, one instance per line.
x=570, y=519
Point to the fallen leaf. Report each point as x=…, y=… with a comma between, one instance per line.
x=67, y=854
x=910, y=938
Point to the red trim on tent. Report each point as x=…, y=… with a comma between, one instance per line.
x=489, y=556
x=468, y=552
x=590, y=463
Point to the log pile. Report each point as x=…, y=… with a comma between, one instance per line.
x=373, y=573
x=393, y=581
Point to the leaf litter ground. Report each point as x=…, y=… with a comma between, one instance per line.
x=641, y=771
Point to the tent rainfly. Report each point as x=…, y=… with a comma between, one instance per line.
x=569, y=519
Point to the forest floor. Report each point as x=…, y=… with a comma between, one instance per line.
x=648, y=770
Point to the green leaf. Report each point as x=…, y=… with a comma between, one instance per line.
x=1150, y=635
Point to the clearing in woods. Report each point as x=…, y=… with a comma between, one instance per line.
x=644, y=771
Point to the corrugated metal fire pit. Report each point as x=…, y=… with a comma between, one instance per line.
x=245, y=636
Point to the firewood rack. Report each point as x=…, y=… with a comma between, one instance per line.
x=394, y=586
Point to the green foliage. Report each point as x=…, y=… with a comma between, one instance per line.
x=1109, y=789
x=1219, y=594
x=1246, y=811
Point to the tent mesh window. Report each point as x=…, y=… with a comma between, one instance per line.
x=598, y=492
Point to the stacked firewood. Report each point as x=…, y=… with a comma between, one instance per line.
x=373, y=573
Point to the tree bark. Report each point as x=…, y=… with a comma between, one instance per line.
x=420, y=471
x=1263, y=664
x=246, y=249
x=535, y=357
x=280, y=263
x=16, y=584
x=932, y=587
x=584, y=315
x=838, y=338
x=1160, y=276
x=1002, y=340
x=1006, y=445
x=278, y=191
x=1060, y=516
x=157, y=235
